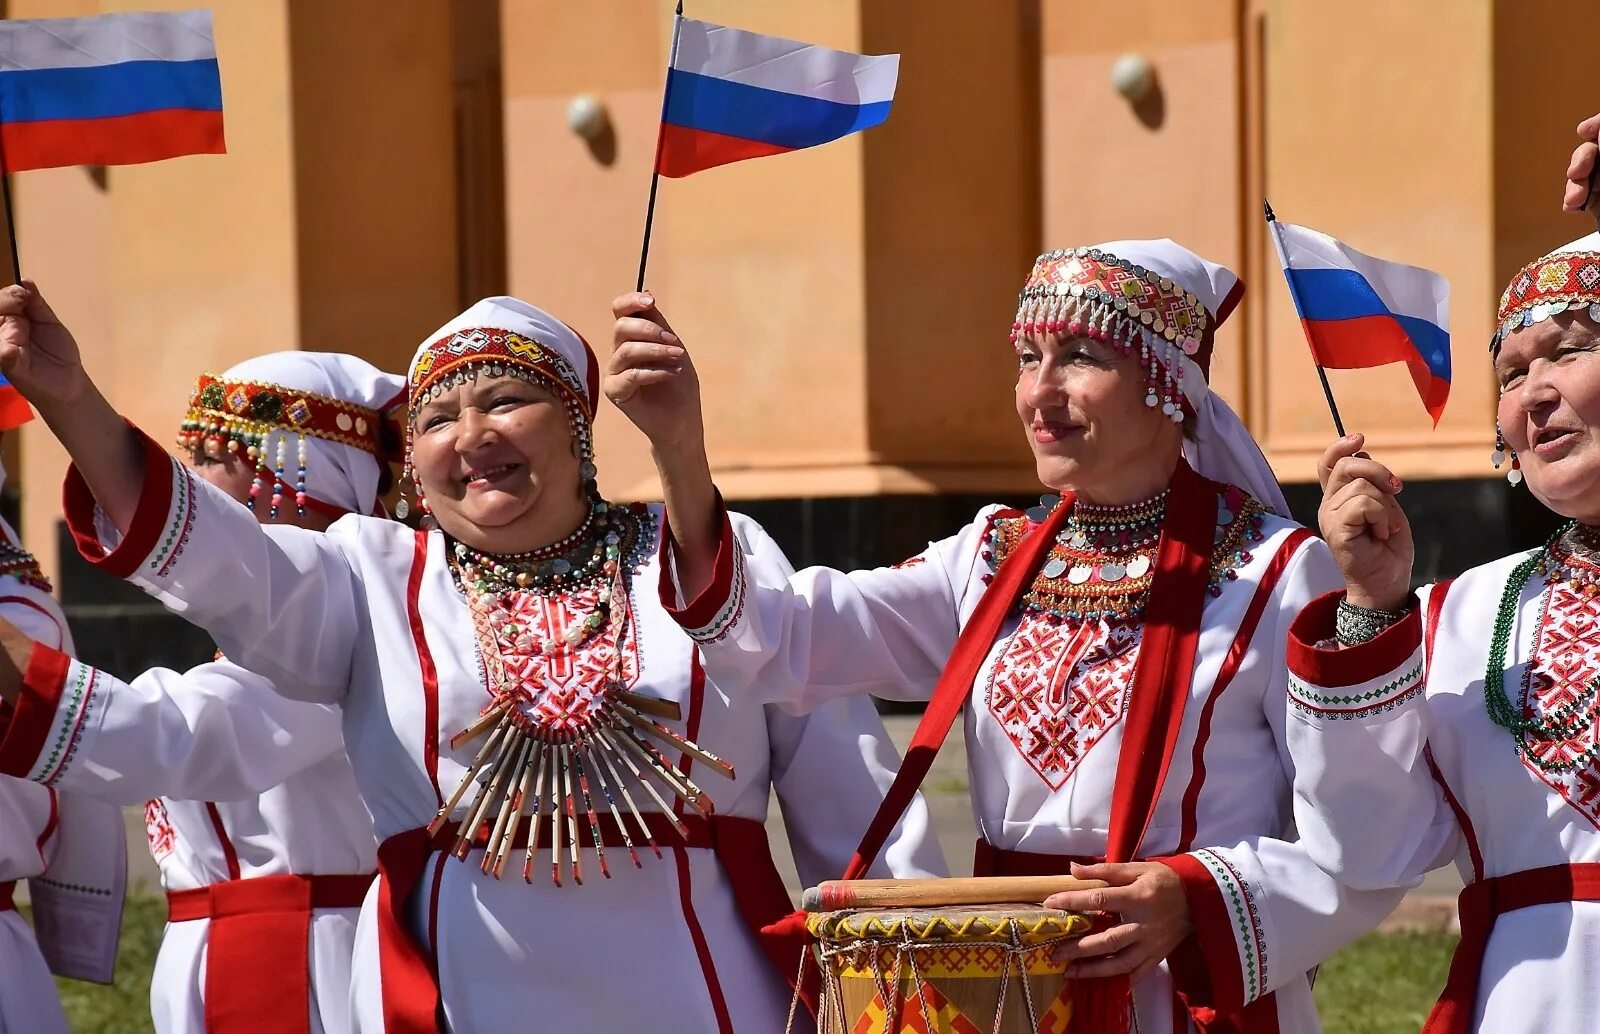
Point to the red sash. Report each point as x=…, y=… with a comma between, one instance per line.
x=8, y=896
x=258, y=962
x=1161, y=679
x=1480, y=904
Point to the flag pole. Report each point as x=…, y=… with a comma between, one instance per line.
x=11, y=217
x=661, y=136
x=1283, y=263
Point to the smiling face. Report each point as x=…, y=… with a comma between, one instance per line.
x=494, y=458
x=1082, y=405
x=1549, y=376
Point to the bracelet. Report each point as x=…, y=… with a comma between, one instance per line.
x=1354, y=625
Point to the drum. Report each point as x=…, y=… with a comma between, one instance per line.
x=954, y=969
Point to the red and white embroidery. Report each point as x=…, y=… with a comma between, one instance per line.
x=158, y=829
x=1566, y=661
x=1059, y=687
x=561, y=687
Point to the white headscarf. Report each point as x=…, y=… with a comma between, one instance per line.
x=1086, y=284
x=341, y=476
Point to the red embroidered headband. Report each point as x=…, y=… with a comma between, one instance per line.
x=444, y=363
x=1546, y=287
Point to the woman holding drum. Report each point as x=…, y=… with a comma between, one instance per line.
x=1122, y=643
x=1459, y=723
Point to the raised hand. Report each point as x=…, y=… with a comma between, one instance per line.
x=651, y=377
x=37, y=353
x=1363, y=524
x=1579, y=192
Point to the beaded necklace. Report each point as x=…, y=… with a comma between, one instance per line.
x=1561, y=555
x=574, y=755
x=21, y=565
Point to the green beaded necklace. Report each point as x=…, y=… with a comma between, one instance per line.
x=1560, y=723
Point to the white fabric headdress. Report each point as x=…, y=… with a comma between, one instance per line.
x=1166, y=302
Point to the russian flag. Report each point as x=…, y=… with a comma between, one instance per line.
x=1359, y=311
x=14, y=409
x=732, y=95
x=114, y=89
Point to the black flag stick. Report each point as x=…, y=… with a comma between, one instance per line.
x=1283, y=261
x=11, y=217
x=661, y=135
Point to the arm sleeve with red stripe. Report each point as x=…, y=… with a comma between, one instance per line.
x=1366, y=804
x=800, y=639
x=1264, y=913
x=280, y=601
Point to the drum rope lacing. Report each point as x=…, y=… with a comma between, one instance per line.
x=905, y=950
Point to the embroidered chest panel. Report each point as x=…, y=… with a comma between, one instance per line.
x=1562, y=674
x=1060, y=683
x=558, y=684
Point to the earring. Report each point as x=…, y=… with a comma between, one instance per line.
x=1514, y=475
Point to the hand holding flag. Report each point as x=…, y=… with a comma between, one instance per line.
x=1358, y=311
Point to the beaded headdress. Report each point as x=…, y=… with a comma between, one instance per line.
x=1154, y=297
x=264, y=407
x=1566, y=279
x=509, y=337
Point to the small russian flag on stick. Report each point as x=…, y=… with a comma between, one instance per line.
x=1358, y=311
x=732, y=95
x=113, y=89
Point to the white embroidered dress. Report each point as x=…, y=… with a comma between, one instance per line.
x=1400, y=770
x=1044, y=727
x=383, y=632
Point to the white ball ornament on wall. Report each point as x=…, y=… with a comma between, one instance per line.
x=586, y=116
x=1132, y=76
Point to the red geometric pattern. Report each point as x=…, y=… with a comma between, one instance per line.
x=941, y=1017
x=1557, y=279
x=1566, y=660
x=561, y=685
x=1059, y=687
x=158, y=829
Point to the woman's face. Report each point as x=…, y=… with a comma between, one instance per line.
x=1082, y=404
x=494, y=458
x=1549, y=376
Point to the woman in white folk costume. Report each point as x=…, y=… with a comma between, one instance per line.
x=253, y=815
x=1126, y=668
x=1458, y=723
x=512, y=660
x=71, y=849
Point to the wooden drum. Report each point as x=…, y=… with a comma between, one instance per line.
x=957, y=968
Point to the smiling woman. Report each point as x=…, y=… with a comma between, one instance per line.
x=1404, y=702
x=548, y=766
x=1123, y=691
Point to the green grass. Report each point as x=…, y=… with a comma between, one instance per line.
x=1383, y=983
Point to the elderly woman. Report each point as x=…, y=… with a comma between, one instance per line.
x=1121, y=643
x=251, y=810
x=1458, y=723
x=534, y=736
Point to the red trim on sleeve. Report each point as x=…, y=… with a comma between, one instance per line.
x=35, y=710
x=1350, y=666
x=1225, y=675
x=1205, y=966
x=149, y=518
x=703, y=609
x=31, y=604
